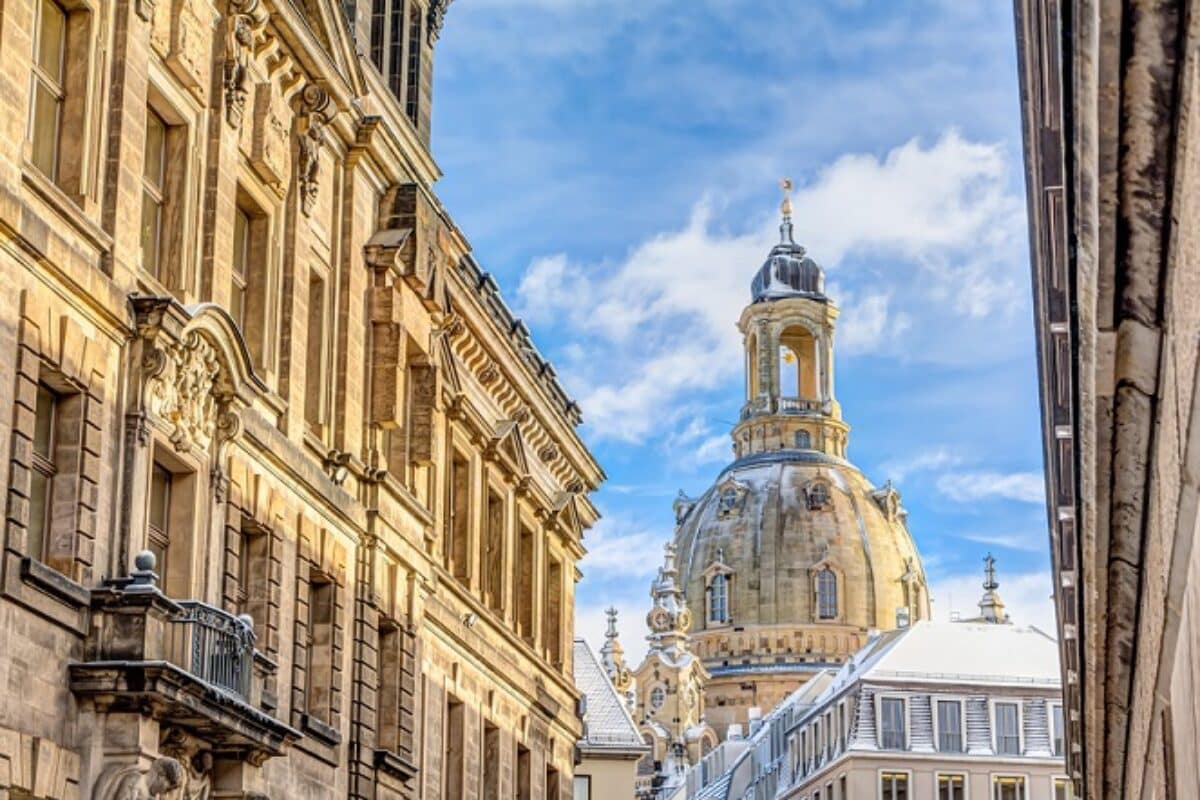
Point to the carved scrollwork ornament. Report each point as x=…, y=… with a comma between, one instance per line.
x=246, y=18
x=314, y=109
x=489, y=374
x=160, y=781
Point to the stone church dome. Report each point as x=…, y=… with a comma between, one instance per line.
x=792, y=556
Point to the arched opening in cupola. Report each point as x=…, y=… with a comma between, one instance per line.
x=752, y=387
x=798, y=367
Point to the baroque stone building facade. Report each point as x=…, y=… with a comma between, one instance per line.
x=292, y=503
x=1112, y=146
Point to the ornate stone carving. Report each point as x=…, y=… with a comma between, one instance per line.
x=314, y=111
x=489, y=373
x=246, y=18
x=182, y=390
x=731, y=498
x=163, y=778
x=548, y=453
x=269, y=138
x=197, y=764
x=437, y=18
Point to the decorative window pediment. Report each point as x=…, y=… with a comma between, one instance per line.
x=196, y=372
x=888, y=499
x=817, y=495
x=731, y=498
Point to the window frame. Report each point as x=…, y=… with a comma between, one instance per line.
x=57, y=87
x=993, y=703
x=903, y=700
x=46, y=467
x=962, y=721
x=822, y=593
x=895, y=773
x=1057, y=729
x=1055, y=780
x=723, y=603
x=963, y=776
x=156, y=193
x=994, y=779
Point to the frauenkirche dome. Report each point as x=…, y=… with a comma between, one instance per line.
x=792, y=555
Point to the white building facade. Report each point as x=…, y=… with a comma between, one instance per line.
x=950, y=711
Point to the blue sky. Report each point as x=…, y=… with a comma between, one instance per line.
x=615, y=164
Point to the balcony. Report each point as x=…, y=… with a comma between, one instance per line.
x=183, y=662
x=762, y=406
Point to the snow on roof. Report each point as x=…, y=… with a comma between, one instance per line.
x=606, y=719
x=956, y=652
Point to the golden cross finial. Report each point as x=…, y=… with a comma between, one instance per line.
x=786, y=186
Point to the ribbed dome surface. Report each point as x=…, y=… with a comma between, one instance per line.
x=775, y=518
x=788, y=272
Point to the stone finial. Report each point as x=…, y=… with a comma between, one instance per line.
x=785, y=210
x=143, y=577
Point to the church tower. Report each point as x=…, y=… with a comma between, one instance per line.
x=792, y=557
x=788, y=338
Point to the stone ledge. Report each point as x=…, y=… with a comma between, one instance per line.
x=320, y=730
x=395, y=764
x=53, y=582
x=164, y=691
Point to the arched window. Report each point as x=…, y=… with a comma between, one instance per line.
x=718, y=599
x=826, y=594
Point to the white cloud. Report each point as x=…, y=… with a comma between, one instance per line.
x=1030, y=542
x=939, y=458
x=619, y=546
x=659, y=324
x=1025, y=595
x=966, y=487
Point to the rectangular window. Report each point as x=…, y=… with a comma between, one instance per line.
x=524, y=773
x=1056, y=728
x=389, y=666
x=893, y=786
x=254, y=571
x=525, y=584
x=395, y=49
x=491, y=760
x=891, y=724
x=1008, y=729
x=47, y=93
x=458, y=526
x=45, y=468
x=951, y=787
x=842, y=793
x=553, y=612
x=1062, y=789
x=241, y=257
x=1008, y=788
x=493, y=552
x=379, y=10
x=452, y=754
x=413, y=77
x=158, y=529
x=583, y=787
x=552, y=788
x=322, y=603
x=154, y=198
x=949, y=720
x=316, y=361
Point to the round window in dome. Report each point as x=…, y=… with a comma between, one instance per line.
x=657, y=697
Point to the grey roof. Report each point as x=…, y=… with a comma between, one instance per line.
x=607, y=724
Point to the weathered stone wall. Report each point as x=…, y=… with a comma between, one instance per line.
x=307, y=435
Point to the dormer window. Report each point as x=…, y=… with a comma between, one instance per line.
x=817, y=495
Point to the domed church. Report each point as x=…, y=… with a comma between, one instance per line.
x=792, y=555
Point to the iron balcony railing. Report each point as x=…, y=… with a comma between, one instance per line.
x=221, y=646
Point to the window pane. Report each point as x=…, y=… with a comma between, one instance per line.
x=39, y=495
x=160, y=498
x=951, y=787
x=1057, y=727
x=43, y=431
x=583, y=787
x=949, y=726
x=156, y=142
x=241, y=242
x=1008, y=739
x=44, y=132
x=892, y=723
x=52, y=34
x=151, y=227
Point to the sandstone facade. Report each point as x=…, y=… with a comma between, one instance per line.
x=292, y=504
